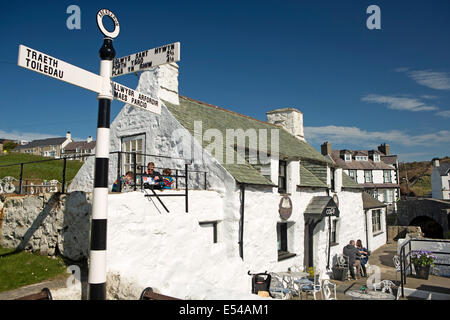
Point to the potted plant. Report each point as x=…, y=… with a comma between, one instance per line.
x=422, y=261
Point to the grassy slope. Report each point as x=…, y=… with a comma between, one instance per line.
x=23, y=268
x=45, y=170
x=419, y=176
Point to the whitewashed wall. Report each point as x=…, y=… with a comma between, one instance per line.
x=379, y=239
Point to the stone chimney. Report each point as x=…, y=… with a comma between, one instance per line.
x=68, y=135
x=325, y=148
x=436, y=162
x=161, y=81
x=89, y=139
x=168, y=83
x=384, y=148
x=290, y=119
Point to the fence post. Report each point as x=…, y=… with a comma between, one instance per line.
x=21, y=178
x=205, y=180
x=176, y=179
x=119, y=183
x=135, y=170
x=63, y=187
x=186, y=187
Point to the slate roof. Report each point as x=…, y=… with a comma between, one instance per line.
x=307, y=179
x=349, y=183
x=391, y=159
x=370, y=202
x=443, y=168
x=379, y=185
x=213, y=117
x=42, y=143
x=84, y=145
x=318, y=204
x=359, y=165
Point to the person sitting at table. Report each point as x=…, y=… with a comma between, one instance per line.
x=353, y=258
x=167, y=180
x=125, y=181
x=364, y=257
x=151, y=172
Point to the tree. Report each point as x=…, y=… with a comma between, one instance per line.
x=8, y=146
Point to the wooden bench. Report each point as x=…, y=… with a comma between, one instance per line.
x=148, y=294
x=45, y=294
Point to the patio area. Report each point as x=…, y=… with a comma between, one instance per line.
x=382, y=258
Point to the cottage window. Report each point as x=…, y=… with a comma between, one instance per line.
x=284, y=237
x=368, y=176
x=333, y=235
x=361, y=158
x=209, y=228
x=130, y=145
x=376, y=221
x=282, y=176
x=376, y=158
x=352, y=174
x=348, y=157
x=389, y=196
x=387, y=176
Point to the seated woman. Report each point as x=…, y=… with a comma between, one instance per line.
x=125, y=181
x=167, y=180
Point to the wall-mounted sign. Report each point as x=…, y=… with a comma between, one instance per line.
x=330, y=211
x=285, y=207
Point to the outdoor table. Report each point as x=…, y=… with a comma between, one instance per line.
x=370, y=295
x=290, y=276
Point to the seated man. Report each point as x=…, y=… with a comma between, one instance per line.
x=125, y=181
x=353, y=255
x=154, y=176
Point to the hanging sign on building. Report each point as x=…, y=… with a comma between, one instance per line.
x=285, y=207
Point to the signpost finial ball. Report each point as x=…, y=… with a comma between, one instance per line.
x=105, y=12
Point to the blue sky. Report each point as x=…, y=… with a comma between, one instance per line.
x=356, y=87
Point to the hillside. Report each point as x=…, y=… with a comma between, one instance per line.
x=419, y=177
x=48, y=170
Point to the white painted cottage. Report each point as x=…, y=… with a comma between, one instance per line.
x=278, y=204
x=440, y=180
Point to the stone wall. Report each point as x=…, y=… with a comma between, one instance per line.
x=400, y=232
x=48, y=223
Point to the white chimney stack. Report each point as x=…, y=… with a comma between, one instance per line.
x=290, y=119
x=89, y=139
x=68, y=135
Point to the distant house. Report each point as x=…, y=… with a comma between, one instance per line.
x=51, y=147
x=375, y=170
x=79, y=149
x=440, y=180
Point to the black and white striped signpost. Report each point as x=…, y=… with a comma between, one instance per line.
x=107, y=91
x=97, y=255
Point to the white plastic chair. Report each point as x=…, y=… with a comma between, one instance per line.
x=326, y=288
x=385, y=286
x=315, y=287
x=277, y=289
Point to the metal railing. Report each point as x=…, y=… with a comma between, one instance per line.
x=404, y=266
x=21, y=178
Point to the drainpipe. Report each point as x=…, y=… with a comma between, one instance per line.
x=367, y=232
x=329, y=242
x=241, y=222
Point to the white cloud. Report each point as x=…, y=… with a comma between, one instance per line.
x=370, y=139
x=445, y=114
x=399, y=103
x=30, y=136
x=432, y=79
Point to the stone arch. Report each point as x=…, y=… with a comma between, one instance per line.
x=430, y=227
